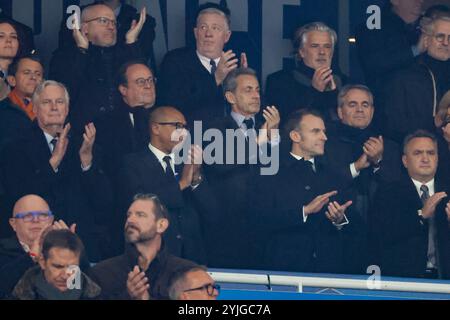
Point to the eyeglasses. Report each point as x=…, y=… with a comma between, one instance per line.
x=208, y=287
x=31, y=215
x=103, y=21
x=141, y=82
x=440, y=37
x=177, y=125
x=213, y=28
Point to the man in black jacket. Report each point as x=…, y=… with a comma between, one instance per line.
x=94, y=60
x=65, y=173
x=302, y=215
x=412, y=95
x=413, y=215
x=143, y=272
x=313, y=83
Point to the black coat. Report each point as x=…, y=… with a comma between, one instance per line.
x=403, y=236
x=14, y=122
x=183, y=82
x=90, y=78
x=345, y=146
x=285, y=242
x=112, y=274
x=127, y=14
x=74, y=196
x=142, y=173
x=290, y=90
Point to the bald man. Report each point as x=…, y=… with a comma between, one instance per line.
x=30, y=219
x=94, y=62
x=153, y=171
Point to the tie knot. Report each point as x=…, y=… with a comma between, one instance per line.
x=424, y=189
x=213, y=66
x=167, y=160
x=249, y=123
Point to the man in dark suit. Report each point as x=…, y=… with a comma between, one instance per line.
x=356, y=151
x=191, y=79
x=153, y=170
x=65, y=173
x=412, y=216
x=302, y=214
x=231, y=181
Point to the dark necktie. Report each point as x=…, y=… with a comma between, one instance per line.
x=53, y=143
x=2, y=75
x=169, y=171
x=308, y=165
x=249, y=123
x=425, y=193
x=213, y=66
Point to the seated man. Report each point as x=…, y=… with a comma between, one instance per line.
x=31, y=218
x=356, y=151
x=193, y=283
x=302, y=215
x=144, y=270
x=412, y=215
x=58, y=276
x=16, y=111
x=64, y=173
x=313, y=83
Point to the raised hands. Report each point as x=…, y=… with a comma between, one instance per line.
x=374, y=148
x=430, y=205
x=335, y=212
x=272, y=117
x=191, y=174
x=60, y=148
x=137, y=285
x=80, y=39
x=87, y=146
x=318, y=203
x=136, y=27
x=323, y=79
x=228, y=62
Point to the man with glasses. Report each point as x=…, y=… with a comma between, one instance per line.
x=31, y=217
x=411, y=96
x=91, y=72
x=180, y=187
x=193, y=283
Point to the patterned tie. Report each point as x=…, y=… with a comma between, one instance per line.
x=53, y=143
x=213, y=66
x=425, y=193
x=249, y=123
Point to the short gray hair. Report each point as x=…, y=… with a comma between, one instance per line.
x=346, y=89
x=215, y=11
x=230, y=82
x=40, y=88
x=418, y=134
x=301, y=33
x=427, y=24
x=177, y=282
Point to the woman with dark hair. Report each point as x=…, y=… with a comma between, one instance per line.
x=442, y=122
x=9, y=48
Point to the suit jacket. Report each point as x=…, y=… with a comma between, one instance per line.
x=285, y=241
x=14, y=122
x=74, y=196
x=183, y=82
x=142, y=173
x=403, y=236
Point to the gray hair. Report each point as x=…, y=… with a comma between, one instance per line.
x=418, y=134
x=300, y=34
x=177, y=282
x=230, y=82
x=427, y=24
x=40, y=88
x=215, y=11
x=346, y=89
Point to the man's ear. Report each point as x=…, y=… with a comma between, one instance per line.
x=11, y=80
x=162, y=225
x=84, y=28
x=230, y=97
x=405, y=164
x=12, y=223
x=295, y=136
x=339, y=112
x=228, y=36
x=123, y=90
x=41, y=261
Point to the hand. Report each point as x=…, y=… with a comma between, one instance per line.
x=227, y=63
x=136, y=27
x=374, y=148
x=137, y=285
x=446, y=133
x=244, y=62
x=430, y=205
x=80, y=39
x=61, y=225
x=336, y=212
x=60, y=148
x=317, y=204
x=272, y=117
x=88, y=144
x=36, y=246
x=447, y=211
x=362, y=162
x=191, y=169
x=321, y=79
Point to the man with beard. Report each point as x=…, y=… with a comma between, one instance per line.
x=144, y=270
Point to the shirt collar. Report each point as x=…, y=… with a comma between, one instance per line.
x=159, y=154
x=297, y=157
x=206, y=61
x=239, y=118
x=48, y=137
x=429, y=184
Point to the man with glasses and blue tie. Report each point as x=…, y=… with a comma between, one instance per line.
x=91, y=72
x=30, y=219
